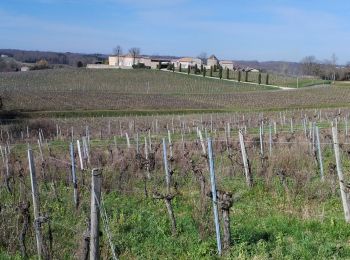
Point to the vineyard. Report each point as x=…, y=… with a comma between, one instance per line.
x=74, y=91
x=240, y=185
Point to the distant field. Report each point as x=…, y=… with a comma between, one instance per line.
x=117, y=81
x=130, y=90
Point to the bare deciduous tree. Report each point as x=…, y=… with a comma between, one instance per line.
x=310, y=65
x=134, y=52
x=203, y=57
x=118, y=51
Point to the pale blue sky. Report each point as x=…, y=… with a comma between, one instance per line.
x=241, y=29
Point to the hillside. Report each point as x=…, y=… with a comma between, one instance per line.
x=66, y=58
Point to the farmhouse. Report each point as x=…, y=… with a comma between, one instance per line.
x=25, y=68
x=212, y=61
x=126, y=61
x=187, y=62
x=227, y=64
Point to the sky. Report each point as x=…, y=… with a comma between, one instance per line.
x=240, y=30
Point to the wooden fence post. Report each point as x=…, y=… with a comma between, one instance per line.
x=214, y=195
x=343, y=192
x=96, y=180
x=36, y=205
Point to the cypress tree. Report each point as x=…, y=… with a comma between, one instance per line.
x=227, y=73
x=246, y=76
x=159, y=65
x=215, y=68
x=220, y=72
x=173, y=67
x=204, y=72
x=195, y=68
x=202, y=67
x=267, y=79
x=211, y=71
x=180, y=67
x=259, y=79
x=188, y=70
x=239, y=75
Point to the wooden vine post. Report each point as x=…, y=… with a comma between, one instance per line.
x=319, y=152
x=96, y=181
x=343, y=192
x=246, y=164
x=168, y=196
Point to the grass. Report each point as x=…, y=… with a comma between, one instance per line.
x=300, y=220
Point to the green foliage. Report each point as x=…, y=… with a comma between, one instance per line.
x=188, y=69
x=239, y=76
x=180, y=67
x=211, y=71
x=227, y=73
x=220, y=72
x=259, y=79
x=204, y=72
x=246, y=76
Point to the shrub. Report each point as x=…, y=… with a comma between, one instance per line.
x=140, y=66
x=41, y=65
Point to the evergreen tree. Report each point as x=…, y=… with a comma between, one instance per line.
x=211, y=71
x=173, y=67
x=195, y=68
x=188, y=69
x=204, y=71
x=220, y=72
x=215, y=67
x=246, y=76
x=180, y=67
x=202, y=67
x=267, y=79
x=239, y=75
x=227, y=73
x=259, y=78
